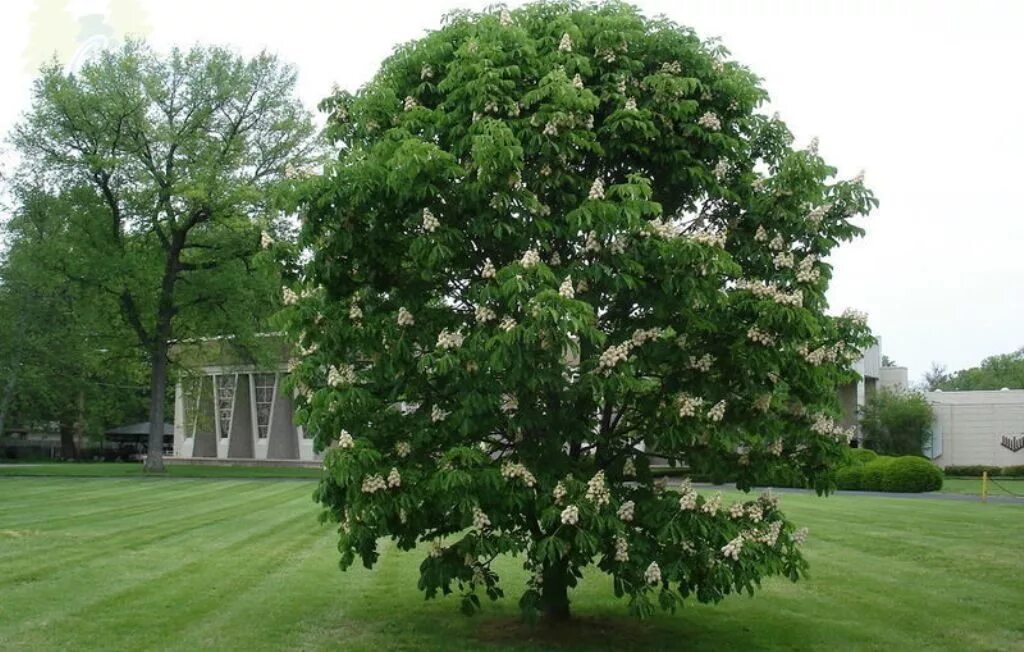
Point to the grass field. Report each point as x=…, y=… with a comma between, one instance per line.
x=132, y=469
x=242, y=565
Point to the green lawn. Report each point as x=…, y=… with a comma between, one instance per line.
x=122, y=564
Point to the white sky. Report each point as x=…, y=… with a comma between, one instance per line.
x=922, y=94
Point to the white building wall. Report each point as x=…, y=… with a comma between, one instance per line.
x=971, y=426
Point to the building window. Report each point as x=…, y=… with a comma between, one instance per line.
x=264, y=390
x=226, y=402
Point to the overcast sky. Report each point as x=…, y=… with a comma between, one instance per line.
x=923, y=95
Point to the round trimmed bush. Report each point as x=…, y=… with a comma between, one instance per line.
x=873, y=471
x=912, y=475
x=850, y=477
x=862, y=455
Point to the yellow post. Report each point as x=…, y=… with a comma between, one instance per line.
x=984, y=486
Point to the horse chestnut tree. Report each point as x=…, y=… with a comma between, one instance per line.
x=557, y=245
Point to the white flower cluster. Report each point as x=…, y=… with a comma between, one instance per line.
x=373, y=483
x=289, y=297
x=717, y=411
x=484, y=314
x=629, y=468
x=806, y=272
x=758, y=336
x=703, y=363
x=653, y=574
x=565, y=45
x=509, y=403
x=784, y=260
x=662, y=228
x=688, y=405
x=777, y=243
x=265, y=240
x=687, y=497
x=760, y=234
x=856, y=316
x=505, y=17
x=630, y=104
x=570, y=515
x=559, y=492
x=733, y=548
x=410, y=103
x=860, y=177
x=355, y=313
x=450, y=339
x=512, y=470
x=822, y=353
x=394, y=478
x=530, y=258
x=566, y=289
x=597, y=491
x=626, y=511
x=710, y=239
x=403, y=449
x=826, y=425
x=817, y=214
x=621, y=549
x=613, y=355
x=488, y=269
x=345, y=440
x=577, y=82
x=755, y=513
x=426, y=72
x=641, y=336
x=672, y=67
x=763, y=402
x=338, y=377
x=480, y=520
x=776, y=447
x=771, y=291
x=592, y=244
x=758, y=183
x=430, y=223
x=736, y=511
x=710, y=121
x=768, y=536
x=712, y=505
x=551, y=128
x=405, y=317
x=507, y=324
x=721, y=168
x=596, y=189
x=800, y=536
x=437, y=414
x=436, y=549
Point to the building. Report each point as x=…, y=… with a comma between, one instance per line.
x=236, y=407
x=873, y=377
x=977, y=427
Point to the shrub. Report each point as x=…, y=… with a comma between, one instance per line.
x=872, y=472
x=911, y=474
x=973, y=470
x=850, y=477
x=1013, y=471
x=897, y=423
x=861, y=456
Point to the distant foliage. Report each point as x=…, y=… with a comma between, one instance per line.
x=995, y=372
x=896, y=422
x=558, y=241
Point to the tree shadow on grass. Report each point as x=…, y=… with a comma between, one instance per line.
x=600, y=632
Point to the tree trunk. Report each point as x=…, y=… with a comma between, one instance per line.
x=67, y=441
x=157, y=390
x=554, y=594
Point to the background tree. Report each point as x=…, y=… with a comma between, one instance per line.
x=896, y=423
x=62, y=361
x=935, y=377
x=174, y=162
x=558, y=242
x=995, y=372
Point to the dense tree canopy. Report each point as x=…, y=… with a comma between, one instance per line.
x=994, y=372
x=167, y=167
x=559, y=243
x=896, y=422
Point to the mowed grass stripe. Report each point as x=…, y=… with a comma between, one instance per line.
x=128, y=567
x=886, y=574
x=157, y=525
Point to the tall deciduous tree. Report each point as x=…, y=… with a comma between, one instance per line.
x=994, y=372
x=897, y=422
x=177, y=158
x=559, y=243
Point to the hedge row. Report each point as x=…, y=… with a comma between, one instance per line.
x=975, y=470
x=908, y=474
